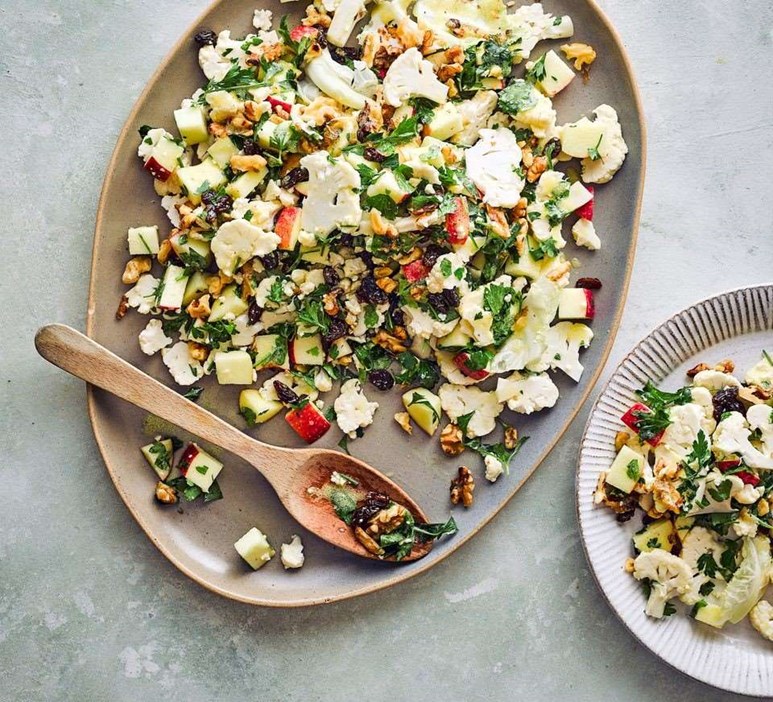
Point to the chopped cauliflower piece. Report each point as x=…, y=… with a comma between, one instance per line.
x=347, y=14
x=761, y=618
x=564, y=341
x=761, y=374
x=152, y=338
x=333, y=201
x=291, y=554
x=411, y=75
x=669, y=577
x=184, y=369
x=610, y=151
x=732, y=437
x=714, y=380
x=584, y=234
x=493, y=163
x=475, y=113
x=353, y=411
x=238, y=241
x=527, y=394
x=142, y=296
x=494, y=468
x=458, y=401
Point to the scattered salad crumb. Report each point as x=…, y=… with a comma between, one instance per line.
x=698, y=463
x=291, y=554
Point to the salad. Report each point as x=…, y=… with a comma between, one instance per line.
x=698, y=463
x=389, y=213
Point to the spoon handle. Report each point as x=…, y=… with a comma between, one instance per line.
x=86, y=359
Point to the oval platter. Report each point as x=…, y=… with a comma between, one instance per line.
x=736, y=325
x=199, y=539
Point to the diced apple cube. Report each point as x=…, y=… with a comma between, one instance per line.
x=159, y=456
x=246, y=183
x=196, y=179
x=190, y=250
x=288, y=227
x=199, y=467
x=387, y=184
x=423, y=406
x=578, y=196
x=256, y=408
x=457, y=339
x=270, y=351
x=713, y=615
x=577, y=138
x=576, y=303
x=196, y=285
x=142, y=240
x=228, y=306
x=234, y=368
x=254, y=548
x=192, y=124
x=221, y=150
x=173, y=287
x=458, y=222
x=557, y=75
x=164, y=159
x=626, y=470
x=657, y=534
x=307, y=351
x=446, y=121
x=308, y=422
x=525, y=266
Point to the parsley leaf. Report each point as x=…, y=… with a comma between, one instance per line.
x=517, y=97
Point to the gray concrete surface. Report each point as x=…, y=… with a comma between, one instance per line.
x=89, y=610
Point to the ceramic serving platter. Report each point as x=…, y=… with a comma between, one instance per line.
x=199, y=539
x=735, y=325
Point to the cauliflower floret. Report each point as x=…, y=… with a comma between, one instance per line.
x=142, y=296
x=333, y=200
x=238, y=241
x=152, y=338
x=714, y=380
x=760, y=418
x=687, y=421
x=411, y=75
x=322, y=381
x=262, y=213
x=261, y=19
x=213, y=65
x=291, y=554
x=184, y=369
x=530, y=24
x=347, y=14
x=761, y=618
x=527, y=394
x=494, y=468
x=334, y=79
x=564, y=341
x=703, y=398
x=669, y=577
x=695, y=544
x=475, y=113
x=745, y=525
x=450, y=371
x=761, y=374
x=584, y=234
x=353, y=411
x=423, y=325
x=448, y=273
x=732, y=437
x=612, y=149
x=457, y=401
x=492, y=164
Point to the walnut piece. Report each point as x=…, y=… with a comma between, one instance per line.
x=511, y=438
x=199, y=308
x=462, y=487
x=696, y=369
x=582, y=54
x=165, y=494
x=242, y=163
x=621, y=439
x=389, y=342
x=123, y=307
x=451, y=440
x=368, y=541
x=135, y=267
x=404, y=420
x=198, y=352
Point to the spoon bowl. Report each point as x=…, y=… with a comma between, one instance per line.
x=300, y=477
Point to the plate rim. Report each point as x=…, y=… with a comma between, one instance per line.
x=579, y=467
x=420, y=568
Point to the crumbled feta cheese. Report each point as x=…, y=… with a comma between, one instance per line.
x=584, y=234
x=411, y=75
x=152, y=338
x=494, y=468
x=527, y=394
x=448, y=273
x=142, y=296
x=457, y=401
x=493, y=163
x=150, y=140
x=353, y=411
x=238, y=241
x=184, y=369
x=333, y=200
x=291, y=554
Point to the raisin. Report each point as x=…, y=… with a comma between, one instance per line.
x=438, y=302
x=254, y=312
x=588, y=283
x=270, y=260
x=726, y=401
x=451, y=297
x=373, y=503
x=370, y=292
x=215, y=204
x=344, y=54
x=335, y=330
x=251, y=147
x=331, y=276
x=381, y=379
x=373, y=155
x=286, y=394
x=367, y=257
x=204, y=37
x=346, y=240
x=294, y=176
x=431, y=255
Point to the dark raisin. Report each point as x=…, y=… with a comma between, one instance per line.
x=381, y=379
x=270, y=260
x=395, y=313
x=215, y=203
x=295, y=176
x=373, y=503
x=438, y=302
x=431, y=255
x=370, y=292
x=346, y=240
x=588, y=283
x=344, y=54
x=251, y=147
x=553, y=146
x=331, y=276
x=451, y=297
x=367, y=257
x=727, y=401
x=335, y=330
x=286, y=394
x=372, y=154
x=254, y=312
x=204, y=37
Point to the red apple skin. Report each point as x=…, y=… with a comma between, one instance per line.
x=297, y=33
x=460, y=361
x=415, y=271
x=748, y=478
x=631, y=421
x=158, y=171
x=728, y=464
x=586, y=211
x=291, y=353
x=458, y=222
x=276, y=103
x=308, y=422
x=590, y=305
x=187, y=457
x=288, y=224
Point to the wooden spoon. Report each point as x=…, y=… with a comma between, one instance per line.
x=291, y=472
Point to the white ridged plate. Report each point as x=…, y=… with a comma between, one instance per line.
x=736, y=325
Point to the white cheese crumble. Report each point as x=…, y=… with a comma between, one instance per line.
x=238, y=241
x=353, y=411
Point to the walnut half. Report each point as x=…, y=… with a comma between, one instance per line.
x=166, y=494
x=462, y=487
x=451, y=440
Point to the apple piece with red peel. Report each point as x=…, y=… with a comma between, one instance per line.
x=415, y=271
x=306, y=351
x=576, y=303
x=586, y=211
x=728, y=464
x=297, y=33
x=288, y=227
x=199, y=467
x=277, y=103
x=632, y=421
x=458, y=221
x=460, y=361
x=308, y=422
x=748, y=478
x=163, y=159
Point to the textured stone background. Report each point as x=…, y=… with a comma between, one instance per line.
x=89, y=610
